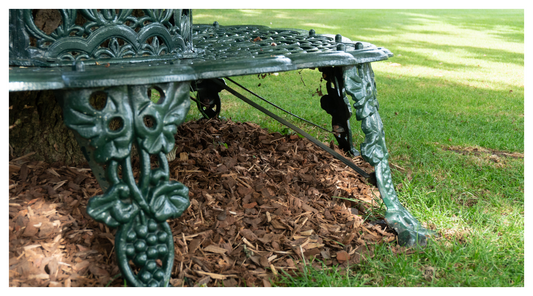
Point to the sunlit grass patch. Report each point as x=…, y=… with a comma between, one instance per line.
x=452, y=104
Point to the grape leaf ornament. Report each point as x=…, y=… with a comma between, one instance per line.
x=113, y=120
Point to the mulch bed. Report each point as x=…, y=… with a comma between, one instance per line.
x=260, y=203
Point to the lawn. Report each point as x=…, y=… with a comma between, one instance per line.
x=452, y=103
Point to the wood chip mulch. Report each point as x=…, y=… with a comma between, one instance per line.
x=260, y=203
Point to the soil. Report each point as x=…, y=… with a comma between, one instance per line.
x=260, y=203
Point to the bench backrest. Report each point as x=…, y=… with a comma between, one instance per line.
x=60, y=37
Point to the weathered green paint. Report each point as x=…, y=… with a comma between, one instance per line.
x=128, y=118
x=361, y=86
x=120, y=55
x=99, y=34
x=219, y=51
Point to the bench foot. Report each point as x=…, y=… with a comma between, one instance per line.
x=360, y=85
x=410, y=231
x=110, y=121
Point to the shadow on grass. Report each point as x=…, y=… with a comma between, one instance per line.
x=434, y=110
x=505, y=24
x=480, y=53
x=414, y=110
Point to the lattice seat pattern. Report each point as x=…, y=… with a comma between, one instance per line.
x=220, y=42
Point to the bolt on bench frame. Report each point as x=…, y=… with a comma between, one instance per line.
x=124, y=55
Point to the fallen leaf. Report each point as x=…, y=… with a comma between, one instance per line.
x=250, y=205
x=342, y=256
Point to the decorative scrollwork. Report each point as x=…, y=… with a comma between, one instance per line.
x=360, y=85
x=96, y=34
x=113, y=119
x=114, y=50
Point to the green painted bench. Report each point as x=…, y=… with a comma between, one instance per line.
x=122, y=56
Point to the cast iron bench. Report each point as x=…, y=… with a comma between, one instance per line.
x=124, y=55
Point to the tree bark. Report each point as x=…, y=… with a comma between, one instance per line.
x=36, y=125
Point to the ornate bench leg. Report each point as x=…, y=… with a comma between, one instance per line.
x=360, y=85
x=336, y=104
x=111, y=120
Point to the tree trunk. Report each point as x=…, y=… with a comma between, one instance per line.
x=36, y=125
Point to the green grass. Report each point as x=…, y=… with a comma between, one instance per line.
x=456, y=82
x=320, y=275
